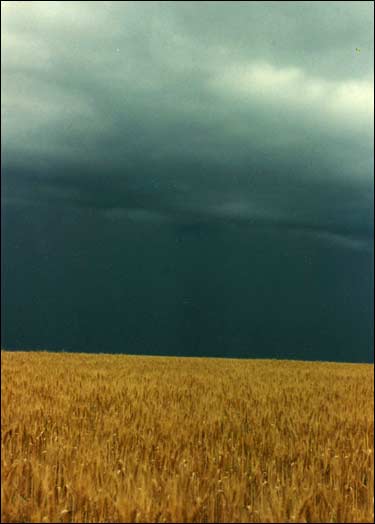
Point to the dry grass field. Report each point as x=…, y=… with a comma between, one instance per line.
x=107, y=438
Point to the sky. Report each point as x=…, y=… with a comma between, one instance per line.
x=188, y=178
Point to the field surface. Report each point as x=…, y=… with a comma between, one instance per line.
x=106, y=438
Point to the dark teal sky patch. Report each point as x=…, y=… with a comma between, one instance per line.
x=184, y=179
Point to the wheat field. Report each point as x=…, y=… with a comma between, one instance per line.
x=115, y=438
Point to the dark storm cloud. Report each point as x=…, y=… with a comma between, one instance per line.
x=255, y=112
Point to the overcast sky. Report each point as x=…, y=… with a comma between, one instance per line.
x=125, y=115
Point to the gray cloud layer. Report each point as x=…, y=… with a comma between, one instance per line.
x=257, y=112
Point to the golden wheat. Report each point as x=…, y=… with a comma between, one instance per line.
x=105, y=438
